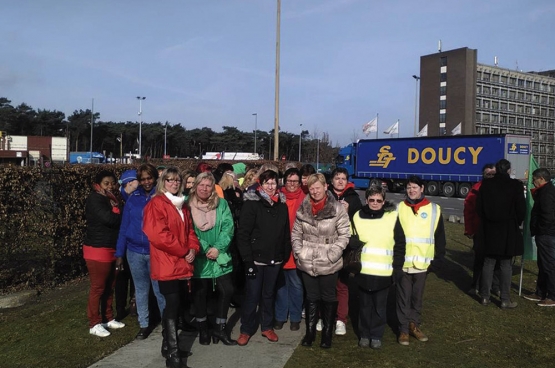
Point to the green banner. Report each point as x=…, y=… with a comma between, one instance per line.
x=530, y=251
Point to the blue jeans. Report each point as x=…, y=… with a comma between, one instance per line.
x=545, y=285
x=140, y=270
x=289, y=296
x=259, y=291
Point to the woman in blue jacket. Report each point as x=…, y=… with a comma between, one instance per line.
x=134, y=244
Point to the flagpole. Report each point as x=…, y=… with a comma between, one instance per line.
x=377, y=124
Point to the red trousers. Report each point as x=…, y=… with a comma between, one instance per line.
x=103, y=278
x=342, y=296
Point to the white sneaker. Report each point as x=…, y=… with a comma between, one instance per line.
x=319, y=325
x=99, y=330
x=340, y=328
x=113, y=324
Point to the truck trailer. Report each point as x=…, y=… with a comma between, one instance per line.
x=449, y=165
x=85, y=158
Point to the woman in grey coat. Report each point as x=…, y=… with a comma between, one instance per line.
x=320, y=234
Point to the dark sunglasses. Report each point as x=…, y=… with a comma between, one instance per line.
x=372, y=200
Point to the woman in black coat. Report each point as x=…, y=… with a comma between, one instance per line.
x=264, y=242
x=103, y=215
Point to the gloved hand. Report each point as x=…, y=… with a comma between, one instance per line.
x=250, y=270
x=436, y=265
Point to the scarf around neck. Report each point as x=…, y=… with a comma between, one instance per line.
x=271, y=200
x=177, y=201
x=113, y=200
x=203, y=217
x=416, y=204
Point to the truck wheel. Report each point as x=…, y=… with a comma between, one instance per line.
x=433, y=188
x=464, y=189
x=448, y=189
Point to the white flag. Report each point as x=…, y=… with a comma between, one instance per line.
x=371, y=126
x=457, y=130
x=423, y=132
x=394, y=129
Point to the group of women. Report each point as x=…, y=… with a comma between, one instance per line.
x=290, y=241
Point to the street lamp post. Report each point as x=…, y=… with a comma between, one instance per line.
x=300, y=140
x=92, y=124
x=165, y=137
x=255, y=129
x=140, y=124
x=416, y=79
x=318, y=155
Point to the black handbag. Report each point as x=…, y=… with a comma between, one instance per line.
x=351, y=255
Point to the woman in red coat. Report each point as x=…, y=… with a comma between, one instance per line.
x=173, y=246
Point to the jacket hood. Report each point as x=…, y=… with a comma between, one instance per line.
x=329, y=210
x=254, y=195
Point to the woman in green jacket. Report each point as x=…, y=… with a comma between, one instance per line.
x=213, y=224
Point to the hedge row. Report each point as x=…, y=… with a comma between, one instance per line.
x=42, y=221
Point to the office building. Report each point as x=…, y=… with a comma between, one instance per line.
x=458, y=93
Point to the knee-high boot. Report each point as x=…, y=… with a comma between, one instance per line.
x=311, y=314
x=173, y=357
x=329, y=311
x=164, y=349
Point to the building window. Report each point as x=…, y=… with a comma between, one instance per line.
x=495, y=78
x=486, y=76
x=443, y=90
x=512, y=120
x=512, y=81
x=443, y=77
x=504, y=79
x=443, y=104
x=443, y=61
x=442, y=118
x=521, y=82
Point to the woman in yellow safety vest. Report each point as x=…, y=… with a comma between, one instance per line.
x=382, y=259
x=425, y=235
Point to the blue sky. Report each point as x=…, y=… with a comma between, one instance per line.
x=212, y=62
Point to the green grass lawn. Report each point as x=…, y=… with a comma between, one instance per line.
x=462, y=332
x=52, y=332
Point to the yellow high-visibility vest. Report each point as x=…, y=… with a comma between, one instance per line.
x=377, y=234
x=419, y=232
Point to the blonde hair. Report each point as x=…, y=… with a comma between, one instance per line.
x=213, y=199
x=168, y=174
x=227, y=180
x=314, y=178
x=249, y=179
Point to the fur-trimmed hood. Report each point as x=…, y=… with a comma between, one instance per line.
x=256, y=195
x=329, y=210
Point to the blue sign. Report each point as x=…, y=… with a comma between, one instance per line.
x=518, y=149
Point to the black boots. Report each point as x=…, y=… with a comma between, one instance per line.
x=203, y=335
x=329, y=311
x=169, y=331
x=311, y=315
x=220, y=333
x=164, y=349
